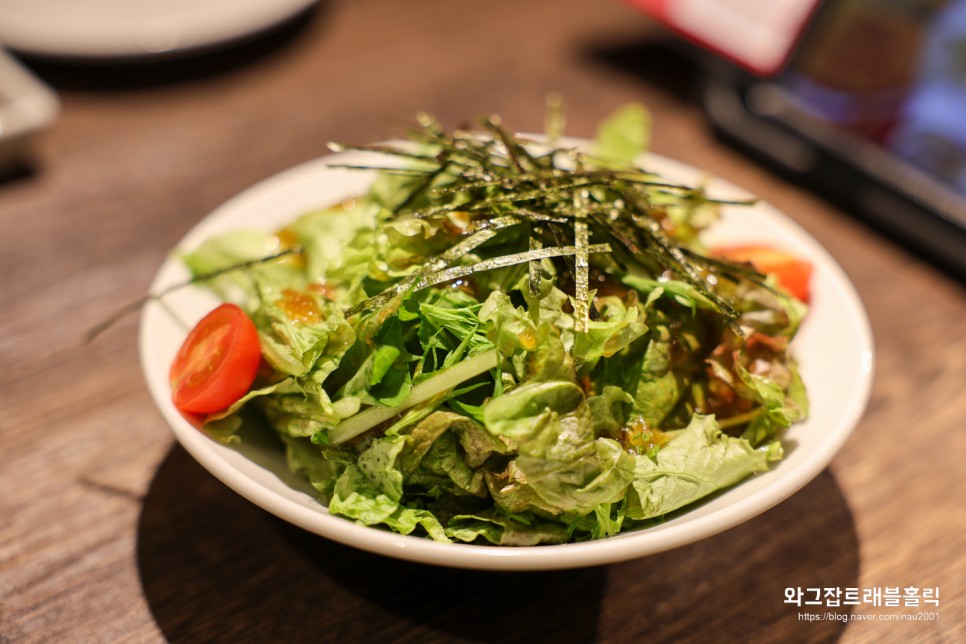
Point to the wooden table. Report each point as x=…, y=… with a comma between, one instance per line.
x=110, y=532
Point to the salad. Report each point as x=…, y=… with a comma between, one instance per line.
x=504, y=340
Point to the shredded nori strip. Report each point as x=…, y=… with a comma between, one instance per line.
x=572, y=205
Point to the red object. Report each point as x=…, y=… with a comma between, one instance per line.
x=758, y=35
x=792, y=273
x=217, y=363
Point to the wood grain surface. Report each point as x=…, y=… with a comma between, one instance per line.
x=110, y=532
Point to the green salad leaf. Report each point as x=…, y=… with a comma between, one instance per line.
x=695, y=463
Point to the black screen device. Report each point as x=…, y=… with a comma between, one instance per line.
x=867, y=107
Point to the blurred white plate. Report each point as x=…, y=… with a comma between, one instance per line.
x=123, y=28
x=834, y=348
x=27, y=106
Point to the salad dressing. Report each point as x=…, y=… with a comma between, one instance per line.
x=300, y=307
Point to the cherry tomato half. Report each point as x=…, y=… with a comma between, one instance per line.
x=217, y=363
x=792, y=273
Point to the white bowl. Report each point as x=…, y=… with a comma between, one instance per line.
x=135, y=28
x=834, y=348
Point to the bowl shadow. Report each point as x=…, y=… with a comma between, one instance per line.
x=214, y=567
x=656, y=59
